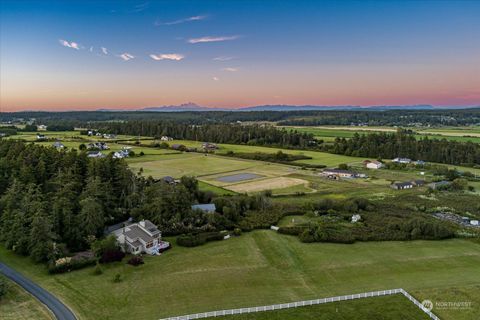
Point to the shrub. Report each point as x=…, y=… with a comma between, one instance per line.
x=112, y=256
x=98, y=270
x=117, y=278
x=291, y=230
x=70, y=265
x=136, y=260
x=193, y=240
x=237, y=232
x=3, y=287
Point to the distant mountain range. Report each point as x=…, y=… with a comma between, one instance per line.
x=195, y=107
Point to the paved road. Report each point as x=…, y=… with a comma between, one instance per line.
x=61, y=311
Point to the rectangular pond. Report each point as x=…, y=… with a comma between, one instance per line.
x=239, y=177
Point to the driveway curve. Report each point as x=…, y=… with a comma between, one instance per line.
x=60, y=310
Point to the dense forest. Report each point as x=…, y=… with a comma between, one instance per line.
x=402, y=144
x=442, y=117
x=54, y=202
x=218, y=133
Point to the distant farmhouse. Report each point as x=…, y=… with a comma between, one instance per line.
x=373, y=164
x=58, y=145
x=179, y=147
x=41, y=136
x=439, y=185
x=140, y=237
x=207, y=207
x=98, y=145
x=407, y=185
x=42, y=127
x=338, y=173
x=402, y=160
x=166, y=138
x=95, y=154
x=124, y=153
x=207, y=146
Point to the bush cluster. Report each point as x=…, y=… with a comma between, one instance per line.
x=197, y=239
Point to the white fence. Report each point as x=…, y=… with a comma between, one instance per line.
x=220, y=313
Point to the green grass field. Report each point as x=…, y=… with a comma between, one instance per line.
x=20, y=305
x=328, y=133
x=386, y=308
x=263, y=267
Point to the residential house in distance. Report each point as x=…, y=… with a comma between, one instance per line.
x=58, y=145
x=439, y=185
x=41, y=136
x=407, y=185
x=42, y=127
x=98, y=145
x=373, y=164
x=207, y=146
x=402, y=160
x=109, y=136
x=95, y=154
x=206, y=207
x=356, y=218
x=124, y=153
x=143, y=236
x=166, y=138
x=179, y=147
x=168, y=179
x=337, y=173
x=419, y=163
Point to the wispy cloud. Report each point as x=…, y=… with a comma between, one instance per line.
x=212, y=39
x=230, y=69
x=179, y=21
x=223, y=58
x=69, y=44
x=104, y=50
x=215, y=79
x=167, y=56
x=126, y=56
x=141, y=7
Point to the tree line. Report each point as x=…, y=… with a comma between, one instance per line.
x=53, y=203
x=450, y=117
x=218, y=133
x=402, y=144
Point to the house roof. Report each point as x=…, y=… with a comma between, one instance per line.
x=338, y=171
x=403, y=184
x=152, y=228
x=135, y=232
x=207, y=207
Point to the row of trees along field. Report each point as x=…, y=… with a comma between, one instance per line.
x=403, y=144
x=219, y=133
x=450, y=117
x=54, y=202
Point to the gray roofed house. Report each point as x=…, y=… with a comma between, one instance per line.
x=439, y=185
x=143, y=236
x=206, y=207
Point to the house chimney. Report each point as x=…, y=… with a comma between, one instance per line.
x=142, y=223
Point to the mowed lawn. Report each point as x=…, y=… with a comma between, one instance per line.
x=20, y=305
x=263, y=267
x=385, y=308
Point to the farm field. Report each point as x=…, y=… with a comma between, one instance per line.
x=263, y=267
x=387, y=307
x=20, y=305
x=329, y=133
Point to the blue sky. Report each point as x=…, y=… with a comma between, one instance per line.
x=237, y=53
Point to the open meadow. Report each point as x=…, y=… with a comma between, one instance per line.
x=263, y=267
x=20, y=305
x=329, y=133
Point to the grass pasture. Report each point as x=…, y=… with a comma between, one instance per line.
x=260, y=268
x=386, y=308
x=20, y=305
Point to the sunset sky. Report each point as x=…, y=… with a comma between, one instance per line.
x=78, y=55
